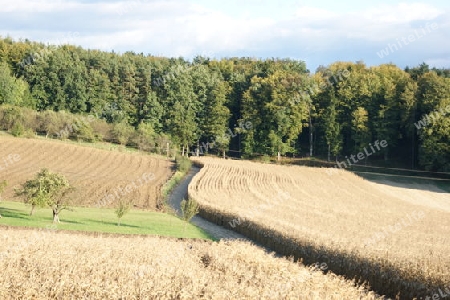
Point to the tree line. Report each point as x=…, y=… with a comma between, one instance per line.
x=192, y=104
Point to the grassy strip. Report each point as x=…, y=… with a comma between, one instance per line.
x=101, y=220
x=183, y=165
x=171, y=184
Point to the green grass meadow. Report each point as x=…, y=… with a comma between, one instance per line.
x=100, y=220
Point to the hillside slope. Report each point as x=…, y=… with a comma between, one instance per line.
x=339, y=214
x=100, y=177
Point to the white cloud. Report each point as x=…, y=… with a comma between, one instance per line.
x=402, y=13
x=308, y=14
x=185, y=33
x=181, y=28
x=36, y=6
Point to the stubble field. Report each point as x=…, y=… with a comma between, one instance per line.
x=397, y=238
x=57, y=265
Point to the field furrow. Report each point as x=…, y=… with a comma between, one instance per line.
x=94, y=173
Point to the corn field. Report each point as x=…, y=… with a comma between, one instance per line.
x=50, y=264
x=395, y=238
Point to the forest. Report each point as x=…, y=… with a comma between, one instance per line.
x=242, y=107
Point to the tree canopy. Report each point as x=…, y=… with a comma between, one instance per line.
x=47, y=189
x=151, y=101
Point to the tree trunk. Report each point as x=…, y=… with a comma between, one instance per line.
x=224, y=154
x=55, y=216
x=278, y=156
x=329, y=150
x=32, y=209
x=182, y=151
x=118, y=222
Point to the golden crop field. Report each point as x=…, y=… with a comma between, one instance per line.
x=58, y=265
x=99, y=176
x=396, y=237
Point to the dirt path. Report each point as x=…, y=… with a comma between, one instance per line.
x=177, y=196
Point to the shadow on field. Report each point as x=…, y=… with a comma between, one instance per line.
x=409, y=182
x=383, y=277
x=64, y=221
x=112, y=223
x=13, y=213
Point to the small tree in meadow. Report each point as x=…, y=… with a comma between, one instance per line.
x=46, y=189
x=189, y=208
x=122, y=209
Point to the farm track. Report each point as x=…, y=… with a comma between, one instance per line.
x=94, y=173
x=180, y=192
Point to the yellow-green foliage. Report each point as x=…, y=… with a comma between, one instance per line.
x=189, y=209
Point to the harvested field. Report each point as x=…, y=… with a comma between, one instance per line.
x=95, y=173
x=396, y=238
x=56, y=265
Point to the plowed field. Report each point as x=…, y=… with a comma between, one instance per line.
x=95, y=173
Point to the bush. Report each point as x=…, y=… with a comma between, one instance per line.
x=50, y=123
x=183, y=163
x=122, y=132
x=144, y=137
x=29, y=134
x=189, y=208
x=64, y=125
x=82, y=131
x=11, y=115
x=17, y=130
x=102, y=130
x=17, y=120
x=265, y=159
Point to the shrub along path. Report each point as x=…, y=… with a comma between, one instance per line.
x=180, y=192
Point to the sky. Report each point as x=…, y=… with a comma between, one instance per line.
x=318, y=32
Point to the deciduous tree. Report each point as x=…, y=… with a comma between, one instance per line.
x=47, y=189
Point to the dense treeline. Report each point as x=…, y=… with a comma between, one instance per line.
x=245, y=106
